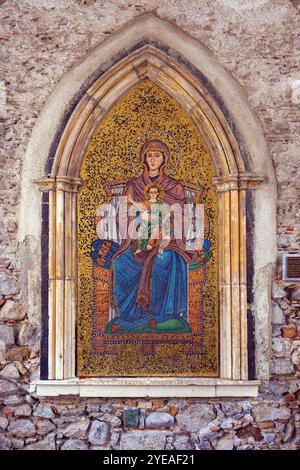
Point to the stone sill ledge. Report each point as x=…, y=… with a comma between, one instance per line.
x=113, y=387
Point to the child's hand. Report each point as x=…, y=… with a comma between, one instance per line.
x=145, y=216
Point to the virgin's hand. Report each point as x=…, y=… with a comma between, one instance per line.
x=165, y=242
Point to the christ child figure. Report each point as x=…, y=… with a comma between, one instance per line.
x=155, y=220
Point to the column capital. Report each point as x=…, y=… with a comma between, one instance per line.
x=237, y=182
x=45, y=184
x=59, y=183
x=71, y=185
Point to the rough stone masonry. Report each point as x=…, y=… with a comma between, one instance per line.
x=258, y=42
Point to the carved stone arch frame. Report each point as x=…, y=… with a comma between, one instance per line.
x=155, y=50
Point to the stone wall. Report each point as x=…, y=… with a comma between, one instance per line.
x=258, y=42
x=66, y=424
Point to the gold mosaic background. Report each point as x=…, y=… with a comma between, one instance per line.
x=146, y=107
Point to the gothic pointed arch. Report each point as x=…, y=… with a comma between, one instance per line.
x=150, y=48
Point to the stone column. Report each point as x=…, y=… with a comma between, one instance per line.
x=62, y=274
x=233, y=273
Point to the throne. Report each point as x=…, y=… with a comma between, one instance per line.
x=103, y=309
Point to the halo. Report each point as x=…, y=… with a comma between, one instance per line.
x=154, y=185
x=154, y=131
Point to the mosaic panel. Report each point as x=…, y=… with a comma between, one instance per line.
x=179, y=337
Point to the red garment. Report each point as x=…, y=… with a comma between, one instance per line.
x=173, y=193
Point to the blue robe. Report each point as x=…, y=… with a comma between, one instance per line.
x=155, y=289
x=169, y=289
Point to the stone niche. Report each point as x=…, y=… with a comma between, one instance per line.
x=161, y=63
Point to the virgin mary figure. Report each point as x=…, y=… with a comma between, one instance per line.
x=149, y=287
